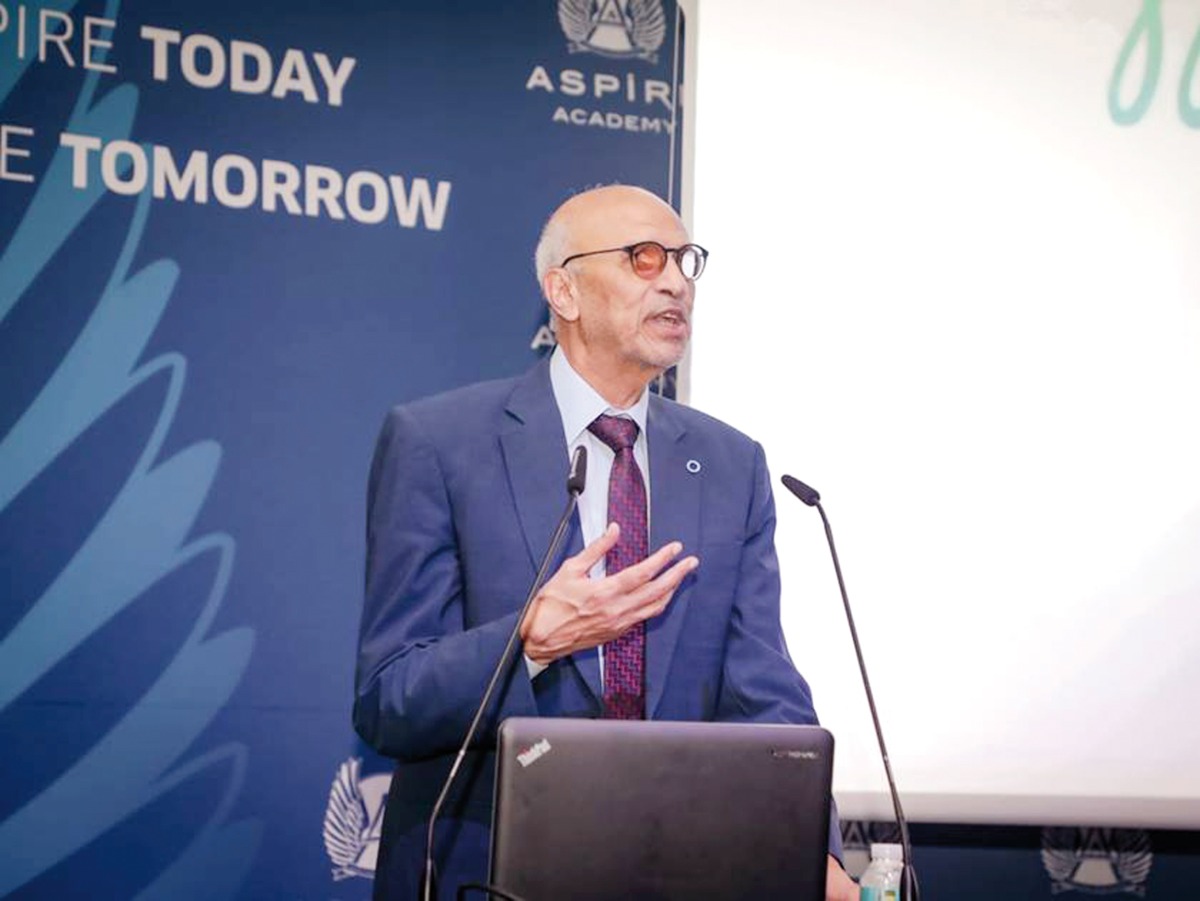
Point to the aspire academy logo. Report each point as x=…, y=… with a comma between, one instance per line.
x=618, y=28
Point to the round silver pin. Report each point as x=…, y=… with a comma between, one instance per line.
x=693, y=466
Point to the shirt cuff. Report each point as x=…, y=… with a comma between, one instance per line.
x=534, y=669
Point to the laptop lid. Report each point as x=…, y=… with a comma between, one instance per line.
x=646, y=809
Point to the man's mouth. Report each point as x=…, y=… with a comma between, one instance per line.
x=674, y=318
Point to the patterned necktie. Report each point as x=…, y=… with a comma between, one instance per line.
x=625, y=657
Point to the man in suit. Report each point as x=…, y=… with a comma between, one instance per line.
x=465, y=490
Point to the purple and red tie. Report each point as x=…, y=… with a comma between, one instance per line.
x=624, y=657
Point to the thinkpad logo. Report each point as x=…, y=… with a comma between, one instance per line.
x=616, y=28
x=534, y=752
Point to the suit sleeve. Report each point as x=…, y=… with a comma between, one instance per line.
x=759, y=681
x=420, y=672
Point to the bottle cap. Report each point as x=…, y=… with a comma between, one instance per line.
x=881, y=851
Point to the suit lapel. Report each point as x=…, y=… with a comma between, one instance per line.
x=535, y=457
x=674, y=516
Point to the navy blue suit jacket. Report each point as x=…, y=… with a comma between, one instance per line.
x=465, y=490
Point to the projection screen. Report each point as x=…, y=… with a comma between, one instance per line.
x=953, y=286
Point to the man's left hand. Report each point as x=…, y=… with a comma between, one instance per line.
x=839, y=886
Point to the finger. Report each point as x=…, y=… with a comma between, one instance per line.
x=643, y=571
x=662, y=587
x=652, y=598
x=594, y=552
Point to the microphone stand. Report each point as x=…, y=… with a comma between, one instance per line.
x=576, y=480
x=909, y=889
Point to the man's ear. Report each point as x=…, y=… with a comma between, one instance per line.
x=561, y=294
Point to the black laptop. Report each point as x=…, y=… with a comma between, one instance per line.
x=592, y=809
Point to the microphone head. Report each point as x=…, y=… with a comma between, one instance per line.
x=577, y=477
x=810, y=496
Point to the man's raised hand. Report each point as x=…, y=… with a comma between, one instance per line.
x=573, y=612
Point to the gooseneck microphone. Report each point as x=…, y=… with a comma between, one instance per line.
x=576, y=482
x=909, y=891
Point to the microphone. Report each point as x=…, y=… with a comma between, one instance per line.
x=576, y=482
x=577, y=475
x=909, y=890
x=810, y=496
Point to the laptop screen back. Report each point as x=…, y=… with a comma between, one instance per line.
x=618, y=809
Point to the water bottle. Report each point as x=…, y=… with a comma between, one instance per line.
x=881, y=881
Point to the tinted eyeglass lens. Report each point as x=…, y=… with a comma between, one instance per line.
x=649, y=259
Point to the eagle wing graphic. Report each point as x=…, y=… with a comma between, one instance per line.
x=575, y=17
x=1059, y=857
x=649, y=24
x=345, y=820
x=1134, y=858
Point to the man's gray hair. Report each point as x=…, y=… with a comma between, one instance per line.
x=551, y=247
x=555, y=240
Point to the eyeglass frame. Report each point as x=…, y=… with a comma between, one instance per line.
x=669, y=252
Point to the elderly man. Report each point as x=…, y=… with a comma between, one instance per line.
x=465, y=490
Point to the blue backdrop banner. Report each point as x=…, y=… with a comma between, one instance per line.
x=231, y=237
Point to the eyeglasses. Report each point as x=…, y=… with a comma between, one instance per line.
x=649, y=258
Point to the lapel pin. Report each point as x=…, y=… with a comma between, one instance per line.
x=693, y=466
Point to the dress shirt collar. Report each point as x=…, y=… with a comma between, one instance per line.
x=579, y=403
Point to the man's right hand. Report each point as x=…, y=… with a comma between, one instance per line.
x=573, y=612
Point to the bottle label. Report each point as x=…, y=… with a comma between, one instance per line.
x=870, y=893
